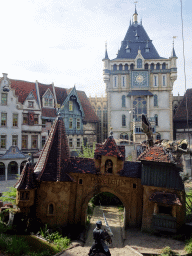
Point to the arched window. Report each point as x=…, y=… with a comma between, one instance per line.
x=158, y=66
x=158, y=137
x=132, y=66
x=114, y=67
x=155, y=100
x=120, y=67
x=139, y=63
x=123, y=120
x=124, y=136
x=146, y=66
x=108, y=166
x=164, y=65
x=123, y=101
x=156, y=119
x=140, y=107
x=126, y=66
x=152, y=66
x=50, y=209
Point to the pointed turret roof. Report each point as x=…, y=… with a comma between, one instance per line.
x=136, y=37
x=54, y=158
x=173, y=54
x=110, y=148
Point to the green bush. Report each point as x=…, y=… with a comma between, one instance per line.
x=167, y=252
x=188, y=247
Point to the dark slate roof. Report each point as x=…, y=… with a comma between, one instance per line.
x=22, y=89
x=139, y=93
x=131, y=169
x=49, y=112
x=90, y=115
x=13, y=153
x=82, y=165
x=27, y=178
x=181, y=114
x=134, y=44
x=173, y=54
x=165, y=198
x=53, y=162
x=110, y=148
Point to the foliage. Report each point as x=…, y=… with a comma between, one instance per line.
x=87, y=151
x=106, y=198
x=60, y=242
x=167, y=252
x=188, y=247
x=9, y=196
x=189, y=202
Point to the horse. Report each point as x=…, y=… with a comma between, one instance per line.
x=108, y=239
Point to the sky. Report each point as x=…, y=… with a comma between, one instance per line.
x=64, y=41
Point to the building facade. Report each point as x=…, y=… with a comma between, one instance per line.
x=139, y=81
x=27, y=114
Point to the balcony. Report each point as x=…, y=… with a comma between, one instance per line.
x=32, y=128
x=164, y=223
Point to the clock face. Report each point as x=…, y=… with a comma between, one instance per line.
x=139, y=79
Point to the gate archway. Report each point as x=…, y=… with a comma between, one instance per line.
x=105, y=189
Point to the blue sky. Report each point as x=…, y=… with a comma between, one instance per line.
x=64, y=41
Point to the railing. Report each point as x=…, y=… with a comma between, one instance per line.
x=164, y=223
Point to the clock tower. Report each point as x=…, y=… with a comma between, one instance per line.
x=139, y=81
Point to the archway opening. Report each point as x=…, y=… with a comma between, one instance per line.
x=2, y=171
x=12, y=170
x=110, y=205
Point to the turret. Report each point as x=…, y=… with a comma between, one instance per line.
x=135, y=16
x=106, y=61
x=173, y=64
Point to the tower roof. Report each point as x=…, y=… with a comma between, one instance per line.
x=137, y=38
x=173, y=54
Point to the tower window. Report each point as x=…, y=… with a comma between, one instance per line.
x=155, y=80
x=164, y=65
x=139, y=63
x=132, y=66
x=156, y=119
x=120, y=67
x=158, y=66
x=123, y=101
x=123, y=81
x=115, y=81
x=108, y=166
x=155, y=100
x=114, y=67
x=164, y=80
x=80, y=182
x=126, y=66
x=152, y=66
x=146, y=66
x=123, y=120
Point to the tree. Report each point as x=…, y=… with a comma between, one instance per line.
x=87, y=151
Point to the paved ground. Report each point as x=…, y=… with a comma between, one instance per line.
x=117, y=248
x=4, y=185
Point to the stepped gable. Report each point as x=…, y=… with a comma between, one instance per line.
x=22, y=89
x=131, y=170
x=181, y=113
x=109, y=148
x=165, y=198
x=155, y=154
x=90, y=115
x=82, y=165
x=27, y=178
x=54, y=158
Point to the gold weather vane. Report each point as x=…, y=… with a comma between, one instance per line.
x=174, y=37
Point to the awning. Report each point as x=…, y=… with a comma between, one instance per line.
x=139, y=93
x=165, y=198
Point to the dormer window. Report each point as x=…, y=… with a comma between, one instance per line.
x=70, y=105
x=146, y=49
x=48, y=102
x=136, y=37
x=128, y=50
x=30, y=104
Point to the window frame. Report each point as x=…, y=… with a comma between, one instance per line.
x=123, y=81
x=155, y=80
x=115, y=81
x=34, y=138
x=3, y=139
x=71, y=142
x=156, y=120
x=4, y=103
x=78, y=142
x=123, y=101
x=123, y=120
x=70, y=123
x=155, y=100
x=15, y=120
x=78, y=124
x=164, y=79
x=30, y=104
x=5, y=124
x=24, y=138
x=70, y=105
x=139, y=63
x=15, y=140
